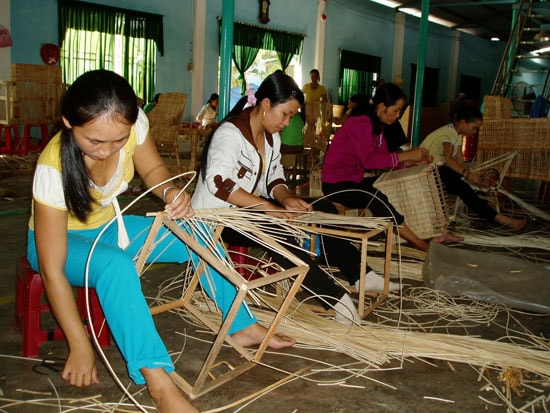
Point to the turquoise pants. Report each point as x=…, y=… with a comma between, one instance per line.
x=113, y=274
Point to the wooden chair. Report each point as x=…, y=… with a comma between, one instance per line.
x=164, y=124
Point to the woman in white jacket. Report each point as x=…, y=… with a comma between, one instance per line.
x=241, y=167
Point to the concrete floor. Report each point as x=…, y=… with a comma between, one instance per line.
x=417, y=386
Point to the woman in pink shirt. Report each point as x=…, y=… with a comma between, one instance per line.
x=358, y=146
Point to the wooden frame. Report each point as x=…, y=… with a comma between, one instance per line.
x=362, y=235
x=243, y=286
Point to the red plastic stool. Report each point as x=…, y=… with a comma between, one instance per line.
x=239, y=256
x=29, y=309
x=44, y=137
x=7, y=147
x=245, y=264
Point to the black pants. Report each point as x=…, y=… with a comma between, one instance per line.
x=362, y=195
x=453, y=183
x=340, y=253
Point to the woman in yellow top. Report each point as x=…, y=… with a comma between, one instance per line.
x=314, y=91
x=103, y=140
x=445, y=145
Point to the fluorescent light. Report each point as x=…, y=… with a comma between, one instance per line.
x=540, y=51
x=388, y=3
x=495, y=39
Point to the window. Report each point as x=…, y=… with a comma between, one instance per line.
x=276, y=49
x=266, y=62
x=358, y=74
x=103, y=37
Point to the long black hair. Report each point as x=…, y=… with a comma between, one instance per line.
x=278, y=87
x=463, y=110
x=94, y=94
x=387, y=93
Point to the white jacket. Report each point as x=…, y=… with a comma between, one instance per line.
x=234, y=162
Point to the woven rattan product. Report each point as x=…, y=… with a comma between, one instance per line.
x=164, y=127
x=36, y=93
x=318, y=125
x=417, y=193
x=529, y=137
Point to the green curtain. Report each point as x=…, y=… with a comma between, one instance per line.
x=243, y=57
x=89, y=33
x=285, y=44
x=247, y=42
x=248, y=39
x=357, y=74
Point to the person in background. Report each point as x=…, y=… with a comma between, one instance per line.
x=352, y=103
x=151, y=105
x=445, y=145
x=209, y=112
x=314, y=91
x=241, y=167
x=102, y=140
x=359, y=145
x=292, y=137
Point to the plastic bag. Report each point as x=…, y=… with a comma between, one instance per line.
x=489, y=277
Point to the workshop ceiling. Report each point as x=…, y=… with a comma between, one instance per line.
x=483, y=18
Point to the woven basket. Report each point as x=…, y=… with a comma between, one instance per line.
x=417, y=194
x=36, y=93
x=497, y=107
x=529, y=137
x=35, y=73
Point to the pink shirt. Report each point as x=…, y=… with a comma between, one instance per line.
x=354, y=149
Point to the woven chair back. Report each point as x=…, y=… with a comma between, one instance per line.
x=164, y=124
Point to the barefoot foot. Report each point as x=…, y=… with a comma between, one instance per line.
x=513, y=223
x=255, y=333
x=164, y=392
x=448, y=237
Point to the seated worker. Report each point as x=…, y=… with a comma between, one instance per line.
x=103, y=139
x=445, y=145
x=292, y=136
x=358, y=146
x=314, y=91
x=352, y=102
x=151, y=105
x=209, y=112
x=241, y=167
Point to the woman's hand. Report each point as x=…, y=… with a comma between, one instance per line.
x=474, y=179
x=178, y=206
x=416, y=156
x=292, y=206
x=80, y=369
x=420, y=156
x=294, y=203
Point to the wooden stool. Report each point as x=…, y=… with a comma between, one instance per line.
x=29, y=309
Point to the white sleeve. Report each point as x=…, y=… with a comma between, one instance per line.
x=142, y=127
x=223, y=155
x=47, y=187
